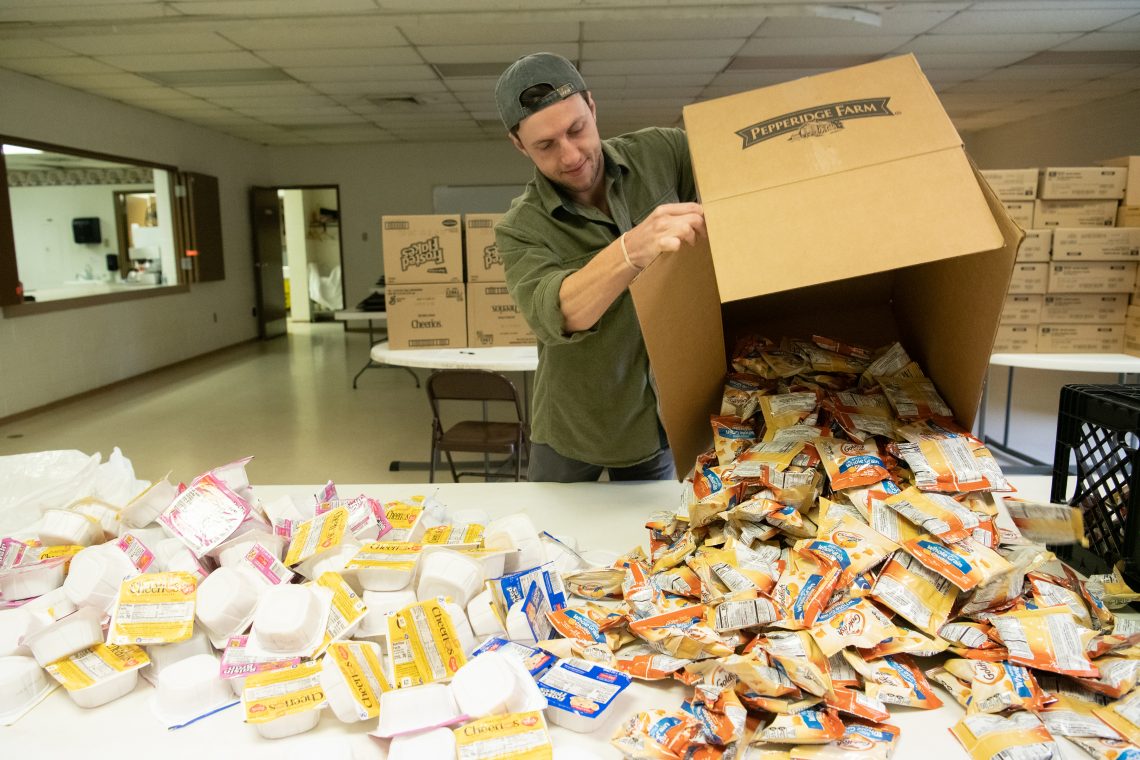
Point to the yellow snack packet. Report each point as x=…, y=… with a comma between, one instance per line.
x=682, y=633
x=319, y=534
x=1007, y=587
x=895, y=680
x=860, y=741
x=857, y=623
x=757, y=674
x=154, y=608
x=423, y=646
x=1071, y=715
x=734, y=615
x=515, y=736
x=685, y=545
x=906, y=641
x=1021, y=735
x=915, y=398
x=920, y=595
x=712, y=507
x=805, y=727
x=862, y=415
x=742, y=568
x=998, y=686
x=804, y=589
x=1112, y=590
x=760, y=460
x=1049, y=591
x=958, y=689
x=934, y=513
x=731, y=436
x=887, y=362
x=851, y=465
x=657, y=735
x=742, y=392
x=800, y=657
x=1052, y=524
x=1123, y=716
x=1047, y=639
x=596, y=583
x=1118, y=676
x=784, y=410
x=276, y=693
x=851, y=545
x=826, y=357
x=966, y=563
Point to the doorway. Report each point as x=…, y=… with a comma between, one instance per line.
x=298, y=255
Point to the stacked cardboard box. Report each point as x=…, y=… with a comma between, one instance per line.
x=1128, y=217
x=423, y=271
x=492, y=317
x=1075, y=269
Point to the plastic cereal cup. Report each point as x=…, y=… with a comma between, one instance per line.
x=379, y=604
x=352, y=678
x=416, y=708
x=515, y=532
x=188, y=689
x=437, y=742
x=226, y=603
x=28, y=581
x=52, y=640
x=95, y=574
x=451, y=574
x=290, y=619
x=486, y=685
x=59, y=527
x=23, y=683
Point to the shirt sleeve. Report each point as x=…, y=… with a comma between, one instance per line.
x=686, y=185
x=534, y=279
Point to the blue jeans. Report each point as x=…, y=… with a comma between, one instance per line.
x=548, y=465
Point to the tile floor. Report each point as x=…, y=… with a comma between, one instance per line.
x=289, y=402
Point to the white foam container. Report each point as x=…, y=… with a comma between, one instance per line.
x=289, y=725
x=22, y=684
x=59, y=527
x=28, y=581
x=289, y=618
x=226, y=601
x=338, y=692
x=107, y=515
x=416, y=708
x=163, y=656
x=335, y=561
x=423, y=745
x=485, y=685
x=189, y=688
x=327, y=559
x=462, y=626
x=95, y=575
x=57, y=639
x=451, y=574
x=481, y=615
x=151, y=537
x=374, y=624
x=147, y=506
x=118, y=685
x=515, y=531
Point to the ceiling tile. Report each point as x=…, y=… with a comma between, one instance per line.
x=605, y=51
x=534, y=37
x=1130, y=24
x=1017, y=21
x=30, y=49
x=313, y=118
x=385, y=56
x=686, y=30
x=80, y=12
x=939, y=76
x=144, y=94
x=85, y=81
x=271, y=7
x=187, y=106
x=52, y=66
x=750, y=80
x=635, y=81
x=1008, y=86
x=673, y=65
x=154, y=62
x=1104, y=41
x=360, y=73
x=970, y=60
x=826, y=46
x=985, y=43
x=107, y=42
x=283, y=101
x=304, y=34
x=603, y=94
x=267, y=89
x=897, y=19
x=386, y=87
x=501, y=54
x=471, y=84
x=1057, y=72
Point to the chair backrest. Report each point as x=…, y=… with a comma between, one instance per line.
x=470, y=385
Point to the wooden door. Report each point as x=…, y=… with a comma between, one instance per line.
x=268, y=258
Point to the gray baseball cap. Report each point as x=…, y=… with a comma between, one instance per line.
x=531, y=70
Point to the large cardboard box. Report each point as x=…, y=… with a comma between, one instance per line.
x=825, y=203
x=493, y=319
x=1096, y=244
x=1128, y=216
x=1074, y=213
x=1080, y=339
x=1021, y=309
x=1091, y=277
x=1029, y=278
x=1084, y=308
x=483, y=261
x=1015, y=339
x=427, y=316
x=1081, y=182
x=1132, y=330
x=1036, y=246
x=1021, y=212
x=1012, y=184
x=1132, y=183
x=422, y=248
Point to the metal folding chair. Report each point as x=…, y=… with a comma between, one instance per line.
x=475, y=436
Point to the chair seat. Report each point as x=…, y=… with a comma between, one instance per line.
x=490, y=437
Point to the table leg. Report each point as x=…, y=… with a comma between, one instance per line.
x=1008, y=404
x=982, y=409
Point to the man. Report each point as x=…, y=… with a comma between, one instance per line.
x=596, y=214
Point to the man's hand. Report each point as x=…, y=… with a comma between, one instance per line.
x=666, y=229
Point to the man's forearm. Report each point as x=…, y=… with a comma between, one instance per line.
x=586, y=294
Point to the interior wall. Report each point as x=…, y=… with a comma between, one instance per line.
x=39, y=353
x=1072, y=137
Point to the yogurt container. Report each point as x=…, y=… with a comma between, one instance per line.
x=582, y=695
x=52, y=640
x=188, y=689
x=28, y=581
x=60, y=527
x=451, y=574
x=416, y=708
x=226, y=603
x=436, y=742
x=23, y=683
x=95, y=574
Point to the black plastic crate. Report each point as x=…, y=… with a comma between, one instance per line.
x=1100, y=424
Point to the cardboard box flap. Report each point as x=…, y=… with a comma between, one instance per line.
x=779, y=135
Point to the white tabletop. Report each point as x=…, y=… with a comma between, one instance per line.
x=1114, y=363
x=496, y=359
x=599, y=515
x=356, y=315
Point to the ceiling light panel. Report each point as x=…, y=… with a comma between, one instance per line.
x=441, y=32
x=604, y=51
x=386, y=56
x=826, y=46
x=897, y=19
x=1016, y=21
x=497, y=54
x=304, y=34
x=668, y=29
x=110, y=43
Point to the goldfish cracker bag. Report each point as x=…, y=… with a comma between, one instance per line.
x=1046, y=639
x=742, y=392
x=862, y=416
x=1052, y=524
x=1021, y=736
x=895, y=680
x=855, y=623
x=906, y=641
x=1107, y=749
x=851, y=465
x=784, y=410
x=823, y=356
x=805, y=727
x=804, y=589
x=852, y=545
x=915, y=399
x=934, y=513
x=657, y=735
x=860, y=741
x=761, y=460
x=958, y=689
x=857, y=703
x=731, y=436
x=798, y=655
x=646, y=664
x=966, y=563
x=1118, y=676
x=921, y=596
x=1123, y=716
x=682, y=633
x=998, y=686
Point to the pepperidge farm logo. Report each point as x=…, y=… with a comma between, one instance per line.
x=425, y=252
x=813, y=122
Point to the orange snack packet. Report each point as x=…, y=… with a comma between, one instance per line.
x=798, y=655
x=1046, y=639
x=920, y=595
x=966, y=563
x=804, y=589
x=850, y=465
x=731, y=436
x=857, y=623
x=998, y=686
x=895, y=680
x=1021, y=735
x=658, y=735
x=805, y=727
x=934, y=513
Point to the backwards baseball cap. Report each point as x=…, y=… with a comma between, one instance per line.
x=531, y=70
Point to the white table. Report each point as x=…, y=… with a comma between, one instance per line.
x=599, y=515
x=522, y=359
x=1122, y=365
x=373, y=318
